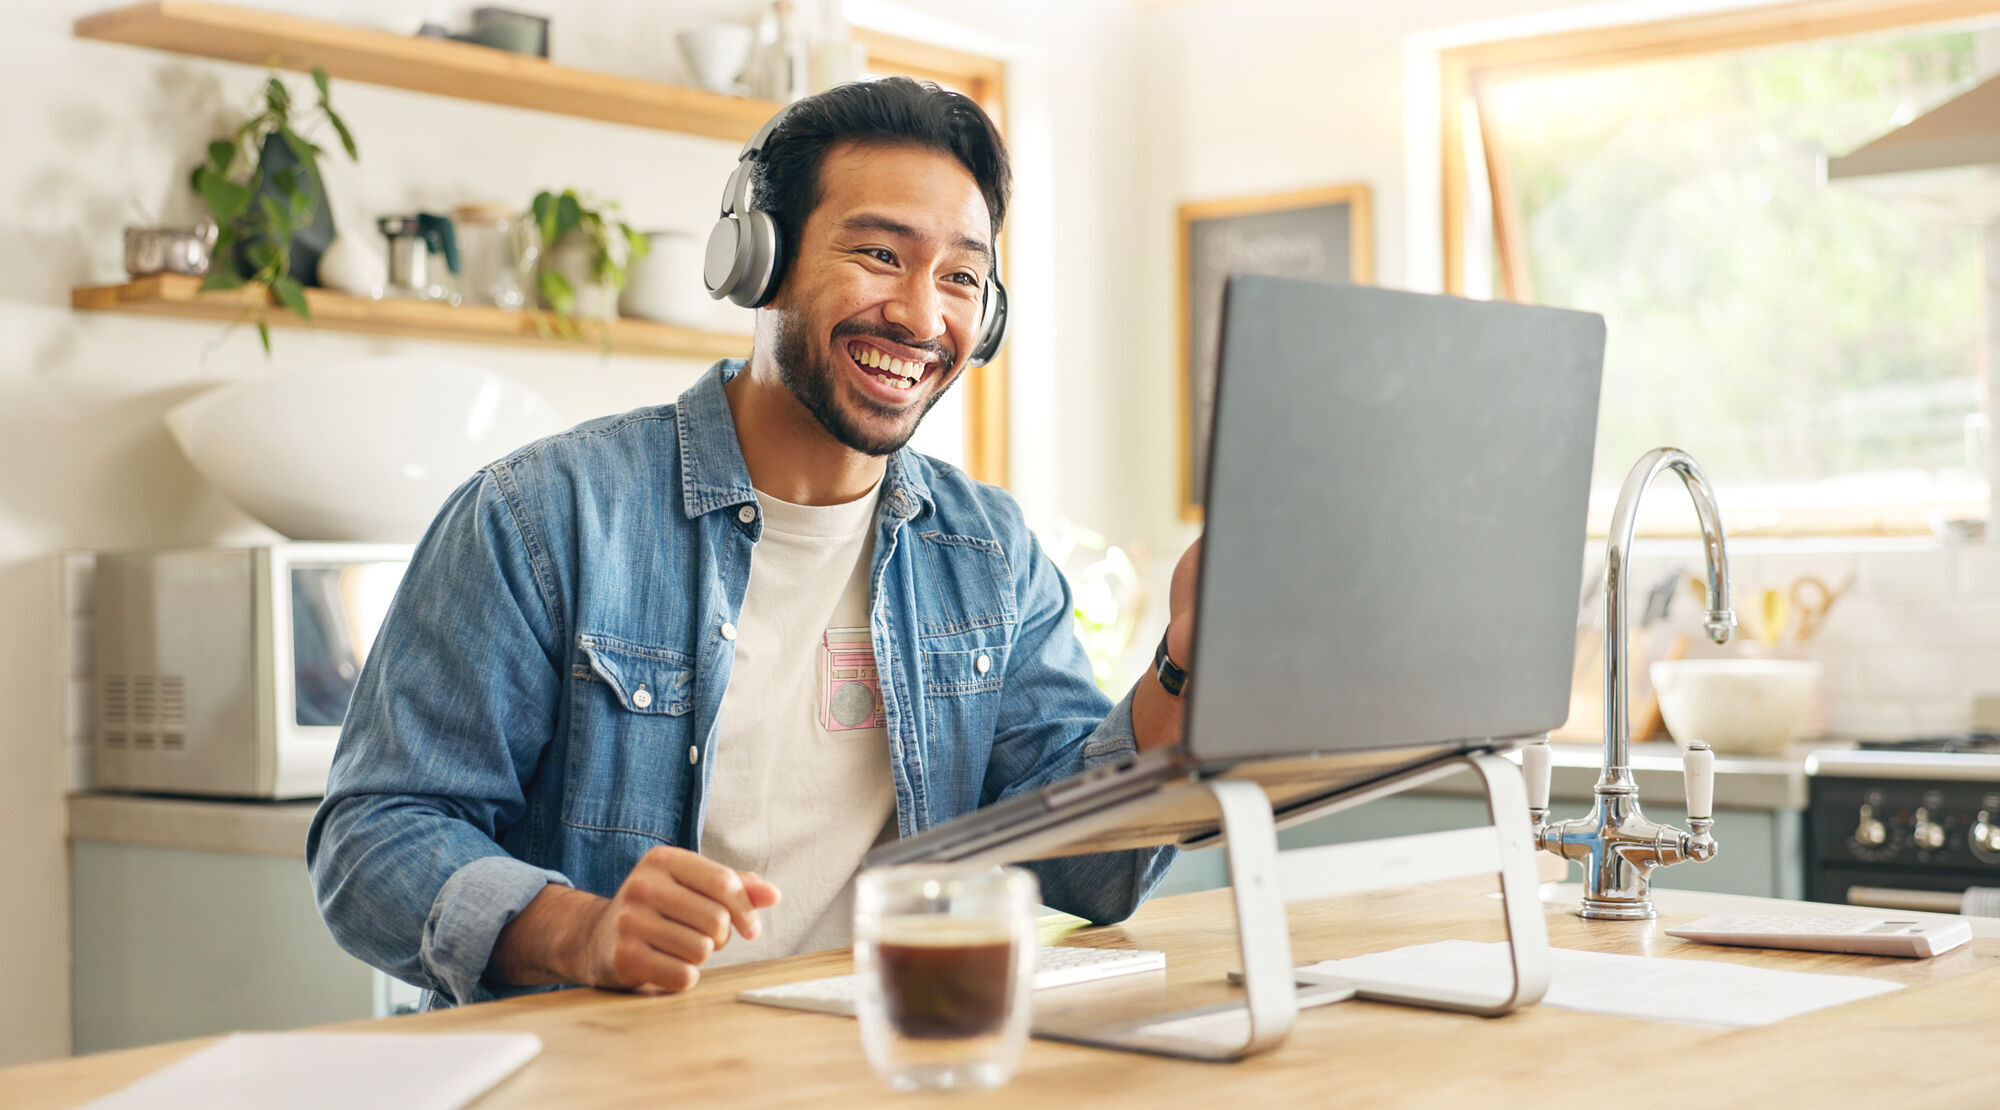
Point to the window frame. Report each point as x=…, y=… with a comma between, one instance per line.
x=1463, y=68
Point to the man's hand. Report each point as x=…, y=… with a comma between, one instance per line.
x=674, y=911
x=1158, y=718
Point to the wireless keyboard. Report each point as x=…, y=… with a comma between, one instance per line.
x=1054, y=967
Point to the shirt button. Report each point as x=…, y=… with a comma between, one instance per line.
x=982, y=664
x=694, y=754
x=728, y=631
x=642, y=697
x=746, y=514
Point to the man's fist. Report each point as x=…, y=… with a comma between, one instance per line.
x=674, y=911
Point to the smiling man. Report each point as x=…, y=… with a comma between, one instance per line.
x=654, y=686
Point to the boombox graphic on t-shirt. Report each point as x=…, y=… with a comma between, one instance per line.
x=851, y=694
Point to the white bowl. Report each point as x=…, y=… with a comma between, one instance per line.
x=363, y=450
x=717, y=53
x=1735, y=705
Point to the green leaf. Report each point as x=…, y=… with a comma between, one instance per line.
x=301, y=209
x=286, y=180
x=303, y=150
x=220, y=275
x=557, y=290
x=221, y=153
x=321, y=82
x=346, y=136
x=264, y=335
x=543, y=208
x=277, y=219
x=263, y=255
x=569, y=213
x=226, y=199
x=292, y=296
x=278, y=97
x=637, y=242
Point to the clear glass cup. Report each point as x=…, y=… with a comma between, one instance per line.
x=944, y=956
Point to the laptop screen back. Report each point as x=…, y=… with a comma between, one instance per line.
x=1395, y=520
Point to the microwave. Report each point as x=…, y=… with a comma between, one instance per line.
x=227, y=671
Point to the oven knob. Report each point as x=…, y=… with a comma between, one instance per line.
x=1928, y=834
x=1870, y=833
x=1985, y=836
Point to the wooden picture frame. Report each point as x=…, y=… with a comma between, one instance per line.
x=1315, y=233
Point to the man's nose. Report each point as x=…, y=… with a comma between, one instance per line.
x=917, y=307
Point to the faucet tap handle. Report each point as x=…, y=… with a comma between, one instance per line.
x=1700, y=763
x=1536, y=765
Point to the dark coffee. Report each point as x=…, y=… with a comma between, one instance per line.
x=946, y=986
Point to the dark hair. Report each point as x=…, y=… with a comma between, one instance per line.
x=896, y=110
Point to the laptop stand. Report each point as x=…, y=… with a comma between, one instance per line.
x=1263, y=880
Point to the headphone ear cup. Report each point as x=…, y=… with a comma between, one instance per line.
x=992, y=324
x=759, y=248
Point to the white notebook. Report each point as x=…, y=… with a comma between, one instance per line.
x=332, y=1071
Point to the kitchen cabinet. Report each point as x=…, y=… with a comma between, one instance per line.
x=196, y=917
x=445, y=68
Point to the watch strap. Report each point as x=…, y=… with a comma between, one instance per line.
x=1173, y=679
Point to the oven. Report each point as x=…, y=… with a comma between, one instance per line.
x=1904, y=825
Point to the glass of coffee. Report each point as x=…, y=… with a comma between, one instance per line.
x=944, y=955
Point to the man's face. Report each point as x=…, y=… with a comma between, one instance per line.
x=881, y=307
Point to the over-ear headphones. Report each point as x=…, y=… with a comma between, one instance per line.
x=742, y=262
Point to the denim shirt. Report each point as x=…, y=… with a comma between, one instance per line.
x=540, y=704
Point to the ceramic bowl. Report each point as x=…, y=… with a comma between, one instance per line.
x=1735, y=705
x=361, y=450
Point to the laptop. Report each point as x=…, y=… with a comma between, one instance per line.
x=1397, y=489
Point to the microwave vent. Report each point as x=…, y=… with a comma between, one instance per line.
x=117, y=700
x=145, y=711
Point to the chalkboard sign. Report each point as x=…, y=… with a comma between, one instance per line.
x=1319, y=233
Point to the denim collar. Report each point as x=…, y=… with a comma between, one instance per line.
x=713, y=475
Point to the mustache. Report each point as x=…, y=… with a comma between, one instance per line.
x=947, y=358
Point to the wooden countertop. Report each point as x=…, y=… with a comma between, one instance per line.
x=1934, y=1042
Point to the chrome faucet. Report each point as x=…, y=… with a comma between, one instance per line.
x=1618, y=847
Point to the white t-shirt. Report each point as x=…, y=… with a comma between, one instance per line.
x=800, y=786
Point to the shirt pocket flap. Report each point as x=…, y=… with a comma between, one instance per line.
x=949, y=673
x=646, y=680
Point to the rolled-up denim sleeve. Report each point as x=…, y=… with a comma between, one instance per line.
x=450, y=716
x=1055, y=723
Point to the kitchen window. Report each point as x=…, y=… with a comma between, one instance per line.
x=1821, y=348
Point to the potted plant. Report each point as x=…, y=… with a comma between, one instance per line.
x=262, y=186
x=585, y=254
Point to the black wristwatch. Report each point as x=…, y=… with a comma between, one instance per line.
x=1173, y=679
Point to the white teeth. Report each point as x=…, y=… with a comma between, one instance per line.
x=910, y=370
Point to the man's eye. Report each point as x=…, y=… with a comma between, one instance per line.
x=883, y=255
x=970, y=281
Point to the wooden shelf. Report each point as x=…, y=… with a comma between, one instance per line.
x=178, y=295
x=439, y=66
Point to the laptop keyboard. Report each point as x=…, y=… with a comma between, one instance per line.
x=1055, y=966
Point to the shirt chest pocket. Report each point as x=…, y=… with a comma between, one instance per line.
x=971, y=588
x=631, y=732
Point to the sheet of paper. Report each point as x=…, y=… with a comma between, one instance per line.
x=1688, y=991
x=332, y=1071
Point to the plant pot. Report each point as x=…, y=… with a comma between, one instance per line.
x=308, y=242
x=574, y=257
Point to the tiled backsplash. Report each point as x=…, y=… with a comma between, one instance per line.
x=1907, y=648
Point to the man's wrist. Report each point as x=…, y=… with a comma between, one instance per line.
x=549, y=941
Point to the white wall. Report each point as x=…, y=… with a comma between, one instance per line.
x=96, y=136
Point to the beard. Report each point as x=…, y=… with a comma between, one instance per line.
x=810, y=375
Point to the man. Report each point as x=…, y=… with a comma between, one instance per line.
x=646, y=674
